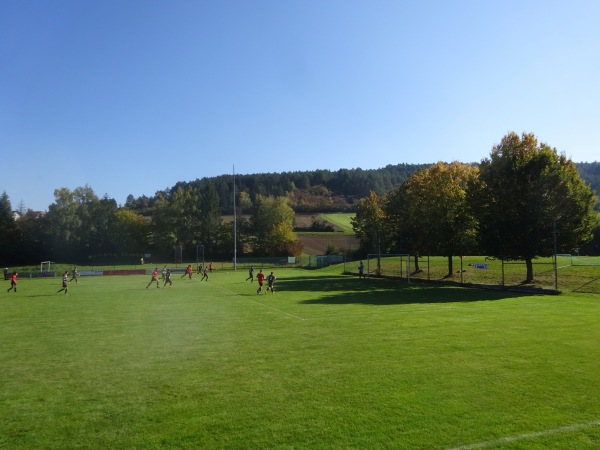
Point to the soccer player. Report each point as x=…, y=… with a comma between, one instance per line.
x=250, y=274
x=361, y=270
x=188, y=271
x=271, y=283
x=204, y=274
x=65, y=283
x=164, y=272
x=154, y=278
x=13, y=282
x=260, y=277
x=168, y=278
x=75, y=275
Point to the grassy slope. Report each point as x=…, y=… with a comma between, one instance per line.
x=327, y=362
x=315, y=243
x=340, y=220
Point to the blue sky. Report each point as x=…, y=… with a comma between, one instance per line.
x=130, y=97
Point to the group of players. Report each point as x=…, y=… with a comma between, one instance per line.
x=166, y=277
x=166, y=274
x=260, y=278
x=65, y=280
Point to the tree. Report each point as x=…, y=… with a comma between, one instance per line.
x=530, y=199
x=210, y=219
x=401, y=230
x=64, y=225
x=369, y=226
x=130, y=230
x=9, y=233
x=162, y=234
x=272, y=227
x=185, y=207
x=439, y=215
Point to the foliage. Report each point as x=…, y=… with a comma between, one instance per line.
x=437, y=212
x=308, y=191
x=272, y=228
x=79, y=226
x=9, y=233
x=590, y=173
x=369, y=224
x=531, y=202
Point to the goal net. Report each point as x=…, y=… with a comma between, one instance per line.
x=45, y=266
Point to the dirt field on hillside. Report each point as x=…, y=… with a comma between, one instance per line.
x=317, y=244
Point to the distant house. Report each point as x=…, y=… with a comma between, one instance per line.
x=16, y=215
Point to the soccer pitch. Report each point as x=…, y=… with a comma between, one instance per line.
x=328, y=362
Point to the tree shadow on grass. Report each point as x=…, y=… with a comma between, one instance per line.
x=378, y=292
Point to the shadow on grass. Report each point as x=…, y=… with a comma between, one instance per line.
x=375, y=291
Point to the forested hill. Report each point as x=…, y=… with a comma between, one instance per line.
x=318, y=190
x=309, y=191
x=590, y=172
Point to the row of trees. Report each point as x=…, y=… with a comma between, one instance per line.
x=81, y=228
x=307, y=191
x=523, y=202
x=507, y=206
x=317, y=190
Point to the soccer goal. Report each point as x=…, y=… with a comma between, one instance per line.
x=45, y=266
x=395, y=265
x=563, y=260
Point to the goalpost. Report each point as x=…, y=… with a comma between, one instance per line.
x=390, y=265
x=45, y=266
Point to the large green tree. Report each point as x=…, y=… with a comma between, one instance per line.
x=531, y=201
x=401, y=230
x=439, y=216
x=130, y=230
x=210, y=220
x=272, y=226
x=369, y=224
x=65, y=222
x=9, y=233
x=162, y=230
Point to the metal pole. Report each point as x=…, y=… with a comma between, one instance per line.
x=234, y=225
x=555, y=258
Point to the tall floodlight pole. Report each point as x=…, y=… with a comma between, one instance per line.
x=234, y=225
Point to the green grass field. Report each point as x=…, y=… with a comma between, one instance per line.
x=342, y=220
x=328, y=362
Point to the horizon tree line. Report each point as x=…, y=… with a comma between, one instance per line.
x=446, y=209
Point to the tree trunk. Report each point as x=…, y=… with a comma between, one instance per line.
x=417, y=264
x=529, y=264
x=450, y=265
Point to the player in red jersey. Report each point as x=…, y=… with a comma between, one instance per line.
x=13, y=282
x=260, y=277
x=154, y=278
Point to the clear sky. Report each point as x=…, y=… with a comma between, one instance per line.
x=132, y=96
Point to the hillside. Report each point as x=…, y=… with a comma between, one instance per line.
x=318, y=191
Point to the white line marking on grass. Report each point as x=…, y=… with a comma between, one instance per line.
x=261, y=304
x=278, y=310
x=533, y=434
x=379, y=315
